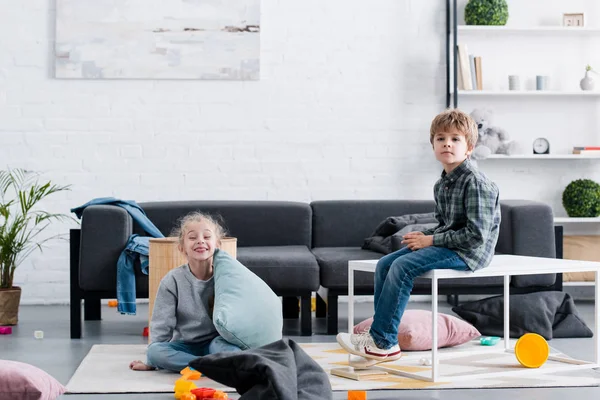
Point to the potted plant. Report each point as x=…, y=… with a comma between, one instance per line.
x=21, y=226
x=581, y=198
x=486, y=12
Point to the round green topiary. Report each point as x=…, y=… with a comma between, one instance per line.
x=486, y=12
x=581, y=198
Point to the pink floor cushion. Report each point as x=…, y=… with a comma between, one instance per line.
x=414, y=332
x=20, y=381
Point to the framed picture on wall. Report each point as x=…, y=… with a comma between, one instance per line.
x=573, y=19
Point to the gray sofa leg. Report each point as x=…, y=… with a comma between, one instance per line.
x=290, y=307
x=91, y=309
x=321, y=311
x=452, y=299
x=305, y=315
x=332, y=314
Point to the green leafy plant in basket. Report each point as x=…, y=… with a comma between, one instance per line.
x=486, y=12
x=581, y=198
x=21, y=225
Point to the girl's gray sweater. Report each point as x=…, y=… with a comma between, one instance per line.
x=183, y=308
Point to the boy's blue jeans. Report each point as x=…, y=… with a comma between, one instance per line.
x=394, y=277
x=175, y=356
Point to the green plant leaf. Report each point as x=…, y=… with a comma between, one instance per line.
x=21, y=223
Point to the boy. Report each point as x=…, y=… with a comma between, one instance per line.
x=468, y=213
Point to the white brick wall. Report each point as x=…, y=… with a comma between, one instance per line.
x=342, y=110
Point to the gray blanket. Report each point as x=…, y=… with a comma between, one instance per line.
x=280, y=370
x=389, y=233
x=550, y=314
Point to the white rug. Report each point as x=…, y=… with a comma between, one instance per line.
x=106, y=370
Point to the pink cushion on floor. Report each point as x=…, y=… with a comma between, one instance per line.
x=415, y=333
x=20, y=381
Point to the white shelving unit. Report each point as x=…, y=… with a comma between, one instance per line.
x=569, y=220
x=561, y=30
x=532, y=93
x=543, y=157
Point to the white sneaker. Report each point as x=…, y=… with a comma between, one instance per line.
x=362, y=344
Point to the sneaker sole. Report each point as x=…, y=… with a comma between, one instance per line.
x=365, y=355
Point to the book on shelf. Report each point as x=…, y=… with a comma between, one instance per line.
x=464, y=68
x=586, y=150
x=469, y=69
x=478, y=72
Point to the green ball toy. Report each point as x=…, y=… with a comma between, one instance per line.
x=486, y=12
x=581, y=198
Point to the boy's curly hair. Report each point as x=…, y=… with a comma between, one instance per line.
x=457, y=120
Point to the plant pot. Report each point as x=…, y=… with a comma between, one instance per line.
x=9, y=305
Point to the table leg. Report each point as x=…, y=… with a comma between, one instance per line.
x=434, y=328
x=350, y=299
x=506, y=312
x=596, y=318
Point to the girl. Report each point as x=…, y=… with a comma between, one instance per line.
x=181, y=328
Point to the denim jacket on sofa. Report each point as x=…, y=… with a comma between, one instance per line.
x=137, y=247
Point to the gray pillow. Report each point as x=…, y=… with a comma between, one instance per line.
x=550, y=314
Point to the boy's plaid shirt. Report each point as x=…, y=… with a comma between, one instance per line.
x=468, y=211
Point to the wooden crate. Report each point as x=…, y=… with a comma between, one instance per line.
x=164, y=256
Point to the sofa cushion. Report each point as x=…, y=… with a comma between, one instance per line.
x=286, y=269
x=246, y=313
x=333, y=262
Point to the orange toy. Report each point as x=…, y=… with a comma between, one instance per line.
x=190, y=374
x=357, y=395
x=182, y=387
x=112, y=303
x=188, y=396
x=532, y=350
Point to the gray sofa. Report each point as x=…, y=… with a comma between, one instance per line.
x=296, y=248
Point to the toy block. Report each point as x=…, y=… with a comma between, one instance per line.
x=113, y=303
x=5, y=330
x=203, y=393
x=188, y=396
x=145, y=332
x=38, y=334
x=183, y=386
x=219, y=395
x=357, y=395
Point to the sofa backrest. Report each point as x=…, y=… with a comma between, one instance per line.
x=346, y=223
x=253, y=223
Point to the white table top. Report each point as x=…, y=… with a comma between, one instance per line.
x=501, y=265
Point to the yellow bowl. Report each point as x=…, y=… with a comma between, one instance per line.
x=532, y=350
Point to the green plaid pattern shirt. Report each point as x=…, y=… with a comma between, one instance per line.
x=467, y=207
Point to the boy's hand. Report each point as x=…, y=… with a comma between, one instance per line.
x=417, y=240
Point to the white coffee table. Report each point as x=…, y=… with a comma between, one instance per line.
x=501, y=265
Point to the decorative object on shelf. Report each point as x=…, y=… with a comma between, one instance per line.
x=486, y=12
x=541, y=146
x=21, y=221
x=491, y=140
x=573, y=19
x=514, y=82
x=587, y=83
x=581, y=198
x=541, y=82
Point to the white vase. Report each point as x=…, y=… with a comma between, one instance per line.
x=587, y=83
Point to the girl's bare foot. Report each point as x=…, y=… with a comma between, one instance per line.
x=137, y=365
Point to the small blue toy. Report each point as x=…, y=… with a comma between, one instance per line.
x=489, y=340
